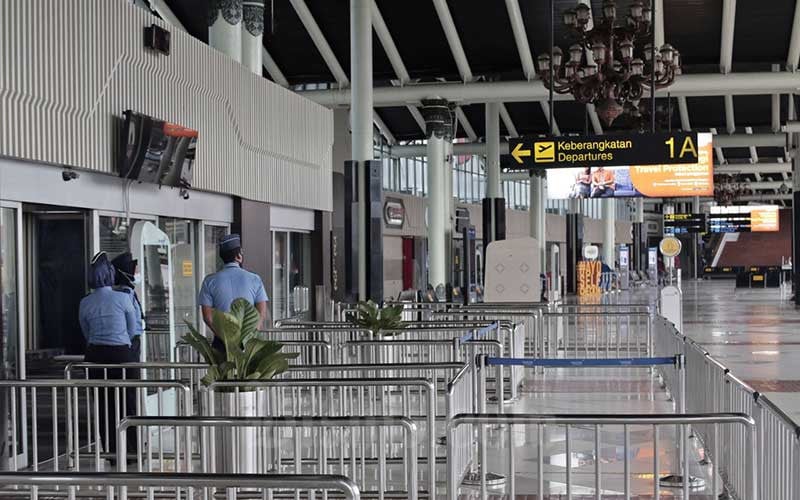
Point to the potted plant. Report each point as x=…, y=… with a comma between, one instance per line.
x=385, y=323
x=247, y=357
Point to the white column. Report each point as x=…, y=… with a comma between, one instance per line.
x=538, y=215
x=252, y=34
x=450, y=206
x=493, y=150
x=437, y=216
x=361, y=116
x=225, y=27
x=609, y=230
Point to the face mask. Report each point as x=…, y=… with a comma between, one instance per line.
x=137, y=279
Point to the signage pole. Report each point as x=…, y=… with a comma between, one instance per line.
x=653, y=71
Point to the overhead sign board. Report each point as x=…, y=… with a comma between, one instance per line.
x=671, y=180
x=604, y=150
x=744, y=219
x=684, y=223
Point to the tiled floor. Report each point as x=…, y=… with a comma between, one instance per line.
x=755, y=333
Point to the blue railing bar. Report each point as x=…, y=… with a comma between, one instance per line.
x=584, y=362
x=479, y=333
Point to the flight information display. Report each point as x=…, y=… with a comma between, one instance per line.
x=744, y=219
x=684, y=223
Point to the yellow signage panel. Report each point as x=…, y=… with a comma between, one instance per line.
x=187, y=268
x=604, y=150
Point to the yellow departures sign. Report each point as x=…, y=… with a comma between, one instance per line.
x=604, y=150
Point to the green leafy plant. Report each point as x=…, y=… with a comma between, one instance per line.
x=379, y=320
x=247, y=357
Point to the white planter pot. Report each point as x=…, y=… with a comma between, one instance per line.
x=237, y=448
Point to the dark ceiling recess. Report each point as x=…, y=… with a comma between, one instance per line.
x=761, y=38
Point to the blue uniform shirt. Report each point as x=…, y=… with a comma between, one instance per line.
x=109, y=317
x=220, y=289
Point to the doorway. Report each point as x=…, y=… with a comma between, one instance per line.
x=56, y=259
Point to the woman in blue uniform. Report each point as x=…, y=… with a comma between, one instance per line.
x=110, y=320
x=125, y=280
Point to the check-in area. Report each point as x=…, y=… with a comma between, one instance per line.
x=370, y=249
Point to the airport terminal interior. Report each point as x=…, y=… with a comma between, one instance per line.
x=382, y=249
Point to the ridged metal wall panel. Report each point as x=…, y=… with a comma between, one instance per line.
x=68, y=69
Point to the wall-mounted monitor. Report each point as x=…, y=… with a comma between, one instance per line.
x=637, y=181
x=156, y=151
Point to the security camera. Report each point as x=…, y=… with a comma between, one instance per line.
x=184, y=194
x=68, y=175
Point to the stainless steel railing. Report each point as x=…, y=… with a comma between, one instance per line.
x=598, y=423
x=360, y=448
x=55, y=423
x=177, y=485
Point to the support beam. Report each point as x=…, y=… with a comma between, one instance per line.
x=730, y=121
x=521, y=39
x=793, y=58
x=493, y=188
x=768, y=185
x=272, y=68
x=720, y=141
x=383, y=128
x=394, y=58
x=754, y=169
x=322, y=44
x=512, y=130
x=683, y=110
x=776, y=106
x=361, y=113
x=726, y=44
x=718, y=148
x=161, y=8
x=766, y=197
x=449, y=27
x=594, y=119
x=659, y=22
x=705, y=84
x=546, y=110
x=382, y=31
x=609, y=230
x=467, y=126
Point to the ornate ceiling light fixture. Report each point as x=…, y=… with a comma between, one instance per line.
x=728, y=187
x=614, y=75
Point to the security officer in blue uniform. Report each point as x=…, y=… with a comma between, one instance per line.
x=126, y=279
x=110, y=321
x=220, y=289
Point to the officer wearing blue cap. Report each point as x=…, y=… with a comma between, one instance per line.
x=220, y=289
x=110, y=321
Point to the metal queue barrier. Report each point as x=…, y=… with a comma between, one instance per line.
x=59, y=424
x=596, y=334
x=422, y=392
x=311, y=350
x=352, y=446
x=176, y=485
x=588, y=428
x=715, y=389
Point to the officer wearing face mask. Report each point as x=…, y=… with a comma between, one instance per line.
x=127, y=277
x=220, y=289
x=110, y=321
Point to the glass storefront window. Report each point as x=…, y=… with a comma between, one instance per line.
x=280, y=299
x=9, y=317
x=115, y=234
x=181, y=233
x=212, y=235
x=299, y=274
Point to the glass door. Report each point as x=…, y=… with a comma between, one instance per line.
x=152, y=248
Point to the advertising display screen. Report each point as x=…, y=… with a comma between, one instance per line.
x=744, y=219
x=637, y=181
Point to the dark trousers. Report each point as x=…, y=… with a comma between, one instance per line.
x=110, y=401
